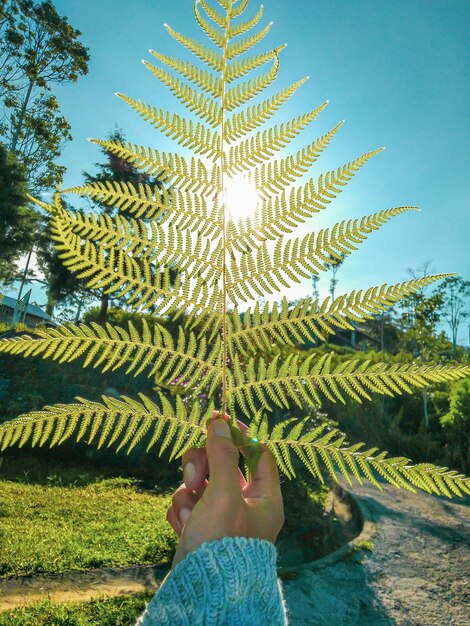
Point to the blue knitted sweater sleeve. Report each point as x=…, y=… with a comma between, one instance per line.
x=228, y=582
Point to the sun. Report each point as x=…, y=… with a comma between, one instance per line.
x=241, y=197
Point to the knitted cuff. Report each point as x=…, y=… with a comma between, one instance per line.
x=231, y=581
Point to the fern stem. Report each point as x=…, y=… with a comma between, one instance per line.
x=224, y=219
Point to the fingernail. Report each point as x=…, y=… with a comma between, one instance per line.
x=221, y=428
x=189, y=473
x=184, y=516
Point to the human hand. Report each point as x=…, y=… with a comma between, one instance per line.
x=225, y=505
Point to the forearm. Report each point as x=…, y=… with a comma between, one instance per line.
x=228, y=582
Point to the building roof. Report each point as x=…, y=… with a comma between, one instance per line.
x=31, y=309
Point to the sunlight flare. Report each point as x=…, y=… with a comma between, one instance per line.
x=241, y=197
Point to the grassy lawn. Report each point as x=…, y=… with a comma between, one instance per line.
x=121, y=611
x=104, y=523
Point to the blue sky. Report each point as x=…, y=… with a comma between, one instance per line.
x=398, y=72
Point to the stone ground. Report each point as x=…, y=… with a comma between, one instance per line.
x=418, y=573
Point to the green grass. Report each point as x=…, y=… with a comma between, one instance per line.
x=58, y=528
x=368, y=546
x=121, y=611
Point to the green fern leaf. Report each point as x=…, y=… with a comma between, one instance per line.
x=203, y=106
x=289, y=381
x=213, y=59
x=110, y=348
x=240, y=47
x=251, y=152
x=215, y=16
x=121, y=422
x=244, y=27
x=239, y=124
x=204, y=79
x=236, y=96
x=196, y=137
x=163, y=244
x=183, y=210
x=192, y=176
x=241, y=67
x=281, y=325
x=313, y=446
x=119, y=274
x=210, y=31
x=258, y=271
x=274, y=177
x=282, y=213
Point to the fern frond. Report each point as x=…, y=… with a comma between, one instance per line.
x=110, y=347
x=244, y=122
x=119, y=422
x=185, y=210
x=164, y=244
x=187, y=176
x=204, y=79
x=214, y=15
x=203, y=106
x=241, y=67
x=258, y=271
x=259, y=329
x=237, y=10
x=290, y=381
x=141, y=284
x=318, y=448
x=146, y=201
x=251, y=152
x=273, y=177
x=243, y=27
x=236, y=96
x=196, y=137
x=213, y=59
x=211, y=31
x=282, y=213
x=238, y=48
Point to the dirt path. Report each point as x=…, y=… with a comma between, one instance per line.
x=418, y=573
x=79, y=586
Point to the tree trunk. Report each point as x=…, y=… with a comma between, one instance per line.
x=103, y=317
x=454, y=343
x=425, y=408
x=19, y=124
x=51, y=302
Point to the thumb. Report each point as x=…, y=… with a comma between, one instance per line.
x=222, y=457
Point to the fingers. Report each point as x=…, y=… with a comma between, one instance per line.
x=195, y=468
x=222, y=457
x=266, y=480
x=183, y=502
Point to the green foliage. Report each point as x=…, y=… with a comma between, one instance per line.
x=368, y=546
x=220, y=263
x=454, y=293
x=38, y=49
x=17, y=222
x=120, y=611
x=456, y=423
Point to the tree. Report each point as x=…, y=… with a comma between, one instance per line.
x=333, y=266
x=418, y=321
x=456, y=423
x=223, y=264
x=38, y=49
x=64, y=285
x=454, y=293
x=17, y=221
